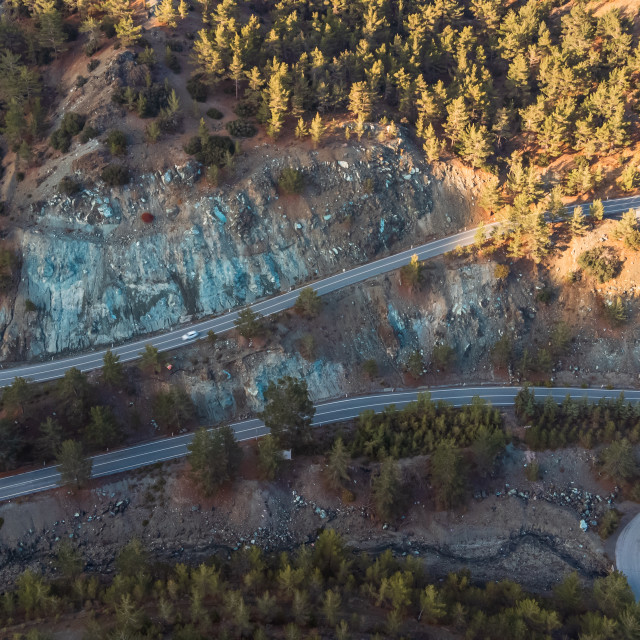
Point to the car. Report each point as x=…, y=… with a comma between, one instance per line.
x=190, y=335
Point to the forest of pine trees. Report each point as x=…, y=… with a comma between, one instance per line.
x=323, y=590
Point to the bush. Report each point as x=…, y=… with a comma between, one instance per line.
x=545, y=295
x=616, y=311
x=347, y=496
x=214, y=114
x=245, y=109
x=501, y=271
x=68, y=186
x=108, y=27
x=212, y=151
x=608, y=524
x=532, y=471
x=60, y=141
x=291, y=181
x=241, y=129
x=72, y=123
x=600, y=266
x=81, y=81
x=90, y=48
x=117, y=142
x=197, y=89
x=88, y=133
x=92, y=65
x=171, y=60
x=115, y=175
x=29, y=305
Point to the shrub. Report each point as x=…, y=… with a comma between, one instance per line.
x=117, y=142
x=60, y=141
x=608, y=524
x=291, y=181
x=616, y=311
x=81, y=81
x=88, y=133
x=92, y=65
x=370, y=368
x=197, y=89
x=442, y=356
x=4, y=211
x=602, y=267
x=68, y=186
x=210, y=150
x=532, y=471
x=108, y=27
x=241, y=129
x=72, y=123
x=29, y=305
x=245, y=109
x=115, y=175
x=347, y=496
x=171, y=60
x=501, y=271
x=214, y=114
x=90, y=48
x=545, y=295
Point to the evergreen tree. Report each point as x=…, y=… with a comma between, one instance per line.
x=316, y=129
x=308, y=303
x=14, y=122
x=301, y=129
x=288, y=412
x=214, y=456
x=249, y=323
x=578, y=224
x=432, y=145
x=627, y=229
x=360, y=101
x=475, y=145
x=102, y=431
x=338, y=464
x=385, y=489
x=50, y=438
x=619, y=461
x=596, y=210
x=52, y=34
x=277, y=98
x=490, y=199
x=269, y=457
x=415, y=364
x=16, y=395
x=448, y=476
x=457, y=119
x=183, y=9
x=151, y=360
x=73, y=467
x=112, y=371
x=127, y=32
x=166, y=14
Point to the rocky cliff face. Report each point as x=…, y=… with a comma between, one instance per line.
x=98, y=274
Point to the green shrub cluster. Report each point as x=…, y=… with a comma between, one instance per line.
x=147, y=102
x=588, y=424
x=197, y=88
x=421, y=426
x=210, y=150
x=598, y=264
x=71, y=125
x=115, y=175
x=241, y=129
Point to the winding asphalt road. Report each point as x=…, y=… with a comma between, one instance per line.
x=326, y=412
x=172, y=339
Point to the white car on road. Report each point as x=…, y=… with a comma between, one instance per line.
x=190, y=335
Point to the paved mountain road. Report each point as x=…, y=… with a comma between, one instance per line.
x=628, y=554
x=86, y=362
x=326, y=412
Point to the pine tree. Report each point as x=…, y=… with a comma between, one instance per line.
x=112, y=372
x=308, y=303
x=556, y=207
x=288, y=412
x=448, y=475
x=316, y=129
x=50, y=438
x=207, y=57
x=385, y=489
x=166, y=14
x=540, y=237
x=73, y=467
x=432, y=145
x=277, y=99
x=236, y=69
x=127, y=32
x=183, y=9
x=360, y=101
x=596, y=210
x=457, y=119
x=475, y=145
x=491, y=198
x=249, y=323
x=52, y=34
x=269, y=457
x=301, y=129
x=337, y=464
x=102, y=431
x=578, y=224
x=151, y=360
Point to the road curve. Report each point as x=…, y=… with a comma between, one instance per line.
x=326, y=412
x=628, y=554
x=56, y=368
